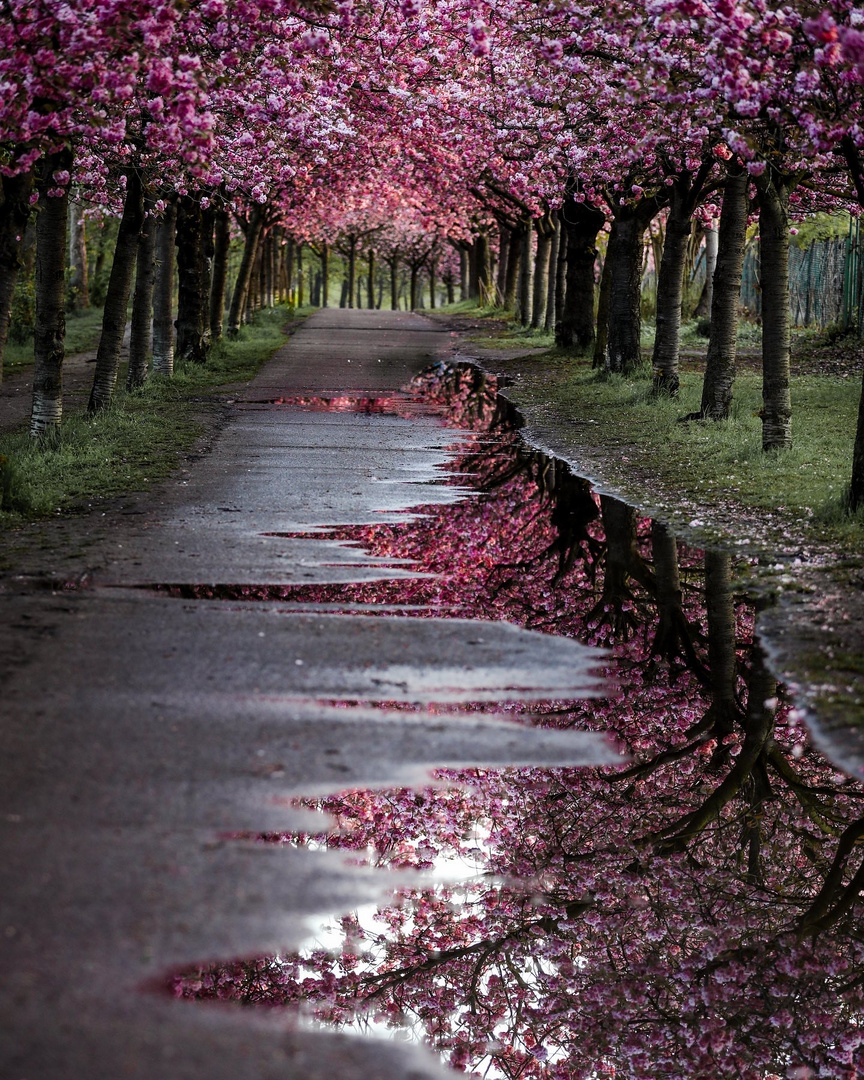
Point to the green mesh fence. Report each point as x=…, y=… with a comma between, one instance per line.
x=826, y=282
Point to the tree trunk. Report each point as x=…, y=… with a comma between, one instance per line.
x=244, y=274
x=300, y=277
x=560, y=278
x=712, y=247
x=503, y=248
x=670, y=288
x=50, y=330
x=413, y=297
x=541, y=274
x=451, y=294
x=289, y=269
x=625, y=290
x=352, y=268
x=484, y=270
x=117, y=296
x=192, y=345
x=14, y=214
x=725, y=299
x=433, y=283
x=514, y=261
x=219, y=284
x=325, y=274
x=601, y=343
x=774, y=252
x=721, y=641
x=575, y=327
x=526, y=275
x=552, y=275
x=343, y=296
x=163, y=293
x=394, y=282
x=464, y=273
x=141, y=331
x=79, y=290
x=474, y=273
x=370, y=284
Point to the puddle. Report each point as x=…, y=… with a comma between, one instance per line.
x=693, y=914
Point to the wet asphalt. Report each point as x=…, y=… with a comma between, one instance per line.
x=141, y=731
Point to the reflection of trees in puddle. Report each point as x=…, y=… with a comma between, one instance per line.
x=695, y=914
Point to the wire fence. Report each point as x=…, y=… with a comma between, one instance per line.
x=826, y=282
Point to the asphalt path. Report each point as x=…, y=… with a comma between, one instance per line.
x=140, y=729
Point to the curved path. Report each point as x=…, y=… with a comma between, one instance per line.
x=139, y=729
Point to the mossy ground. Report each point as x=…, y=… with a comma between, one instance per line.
x=137, y=441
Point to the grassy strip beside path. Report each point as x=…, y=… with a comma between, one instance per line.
x=710, y=482
x=136, y=442
x=83, y=330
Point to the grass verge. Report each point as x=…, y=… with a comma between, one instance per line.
x=711, y=481
x=136, y=442
x=83, y=329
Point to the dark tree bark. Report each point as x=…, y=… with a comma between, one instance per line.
x=300, y=276
x=575, y=326
x=485, y=289
x=560, y=278
x=219, y=285
x=503, y=249
x=545, y=230
x=474, y=272
x=163, y=293
x=685, y=194
x=208, y=252
x=370, y=284
x=725, y=298
x=722, y=658
x=451, y=292
x=244, y=274
x=670, y=285
x=625, y=296
x=290, y=248
x=433, y=281
x=601, y=342
x=393, y=263
x=15, y=194
x=856, y=486
x=117, y=296
x=50, y=330
x=325, y=273
x=526, y=275
x=712, y=243
x=193, y=292
x=79, y=285
x=552, y=275
x=514, y=262
x=141, y=330
x=774, y=191
x=415, y=270
x=464, y=273
x=673, y=638
x=343, y=297
x=352, y=268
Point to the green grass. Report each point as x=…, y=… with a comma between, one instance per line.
x=136, y=442
x=82, y=334
x=647, y=454
x=712, y=462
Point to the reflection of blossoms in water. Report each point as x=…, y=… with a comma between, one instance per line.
x=695, y=914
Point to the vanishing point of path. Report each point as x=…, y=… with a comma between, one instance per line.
x=142, y=732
